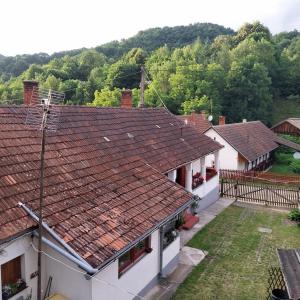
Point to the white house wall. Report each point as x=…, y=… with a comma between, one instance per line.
x=22, y=246
x=70, y=282
x=228, y=156
x=133, y=280
x=168, y=254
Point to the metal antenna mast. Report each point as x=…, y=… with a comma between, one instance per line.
x=43, y=113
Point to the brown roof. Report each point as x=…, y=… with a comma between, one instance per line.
x=197, y=120
x=250, y=139
x=287, y=143
x=293, y=121
x=104, y=186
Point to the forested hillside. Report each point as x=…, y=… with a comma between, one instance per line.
x=196, y=67
x=149, y=40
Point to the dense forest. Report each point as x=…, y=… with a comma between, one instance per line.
x=196, y=67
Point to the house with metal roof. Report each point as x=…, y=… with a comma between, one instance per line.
x=117, y=182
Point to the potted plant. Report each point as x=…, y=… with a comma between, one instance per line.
x=12, y=289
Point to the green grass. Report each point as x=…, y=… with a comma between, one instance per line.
x=239, y=256
x=282, y=169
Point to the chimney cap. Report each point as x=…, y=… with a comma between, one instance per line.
x=30, y=82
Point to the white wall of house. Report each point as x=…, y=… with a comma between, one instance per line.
x=228, y=156
x=21, y=247
x=133, y=280
x=206, y=187
x=69, y=280
x=169, y=251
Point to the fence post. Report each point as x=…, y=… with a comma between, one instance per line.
x=222, y=187
x=298, y=198
x=236, y=188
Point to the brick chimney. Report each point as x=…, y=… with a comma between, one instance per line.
x=222, y=120
x=29, y=86
x=193, y=116
x=126, y=99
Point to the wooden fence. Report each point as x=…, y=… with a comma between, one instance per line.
x=263, y=194
x=256, y=176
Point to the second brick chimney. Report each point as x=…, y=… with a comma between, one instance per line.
x=222, y=120
x=126, y=99
x=29, y=86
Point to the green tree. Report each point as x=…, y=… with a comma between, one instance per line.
x=247, y=93
x=107, y=97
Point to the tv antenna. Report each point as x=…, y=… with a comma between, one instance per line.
x=43, y=113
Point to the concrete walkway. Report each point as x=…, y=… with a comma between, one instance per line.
x=189, y=257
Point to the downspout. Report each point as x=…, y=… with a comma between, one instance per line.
x=52, y=233
x=161, y=249
x=85, y=266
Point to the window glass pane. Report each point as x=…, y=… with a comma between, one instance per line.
x=124, y=260
x=141, y=245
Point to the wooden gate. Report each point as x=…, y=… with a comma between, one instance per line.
x=261, y=193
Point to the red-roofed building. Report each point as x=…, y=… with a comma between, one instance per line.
x=199, y=121
x=117, y=181
x=247, y=145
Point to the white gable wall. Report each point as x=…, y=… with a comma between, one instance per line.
x=228, y=156
x=68, y=281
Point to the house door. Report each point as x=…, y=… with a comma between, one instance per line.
x=180, y=178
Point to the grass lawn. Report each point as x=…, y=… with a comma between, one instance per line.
x=238, y=255
x=282, y=169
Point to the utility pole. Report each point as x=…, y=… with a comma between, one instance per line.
x=43, y=113
x=46, y=111
x=142, y=87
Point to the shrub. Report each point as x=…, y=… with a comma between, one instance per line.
x=295, y=165
x=283, y=158
x=294, y=215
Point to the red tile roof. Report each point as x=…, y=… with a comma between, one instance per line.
x=252, y=139
x=197, y=120
x=104, y=185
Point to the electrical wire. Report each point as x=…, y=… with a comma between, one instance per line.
x=83, y=273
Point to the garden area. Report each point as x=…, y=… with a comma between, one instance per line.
x=241, y=244
x=285, y=163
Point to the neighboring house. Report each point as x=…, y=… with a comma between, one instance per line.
x=199, y=121
x=109, y=209
x=289, y=126
x=247, y=145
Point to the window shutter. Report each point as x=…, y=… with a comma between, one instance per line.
x=11, y=271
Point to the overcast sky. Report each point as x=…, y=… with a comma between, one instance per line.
x=31, y=26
